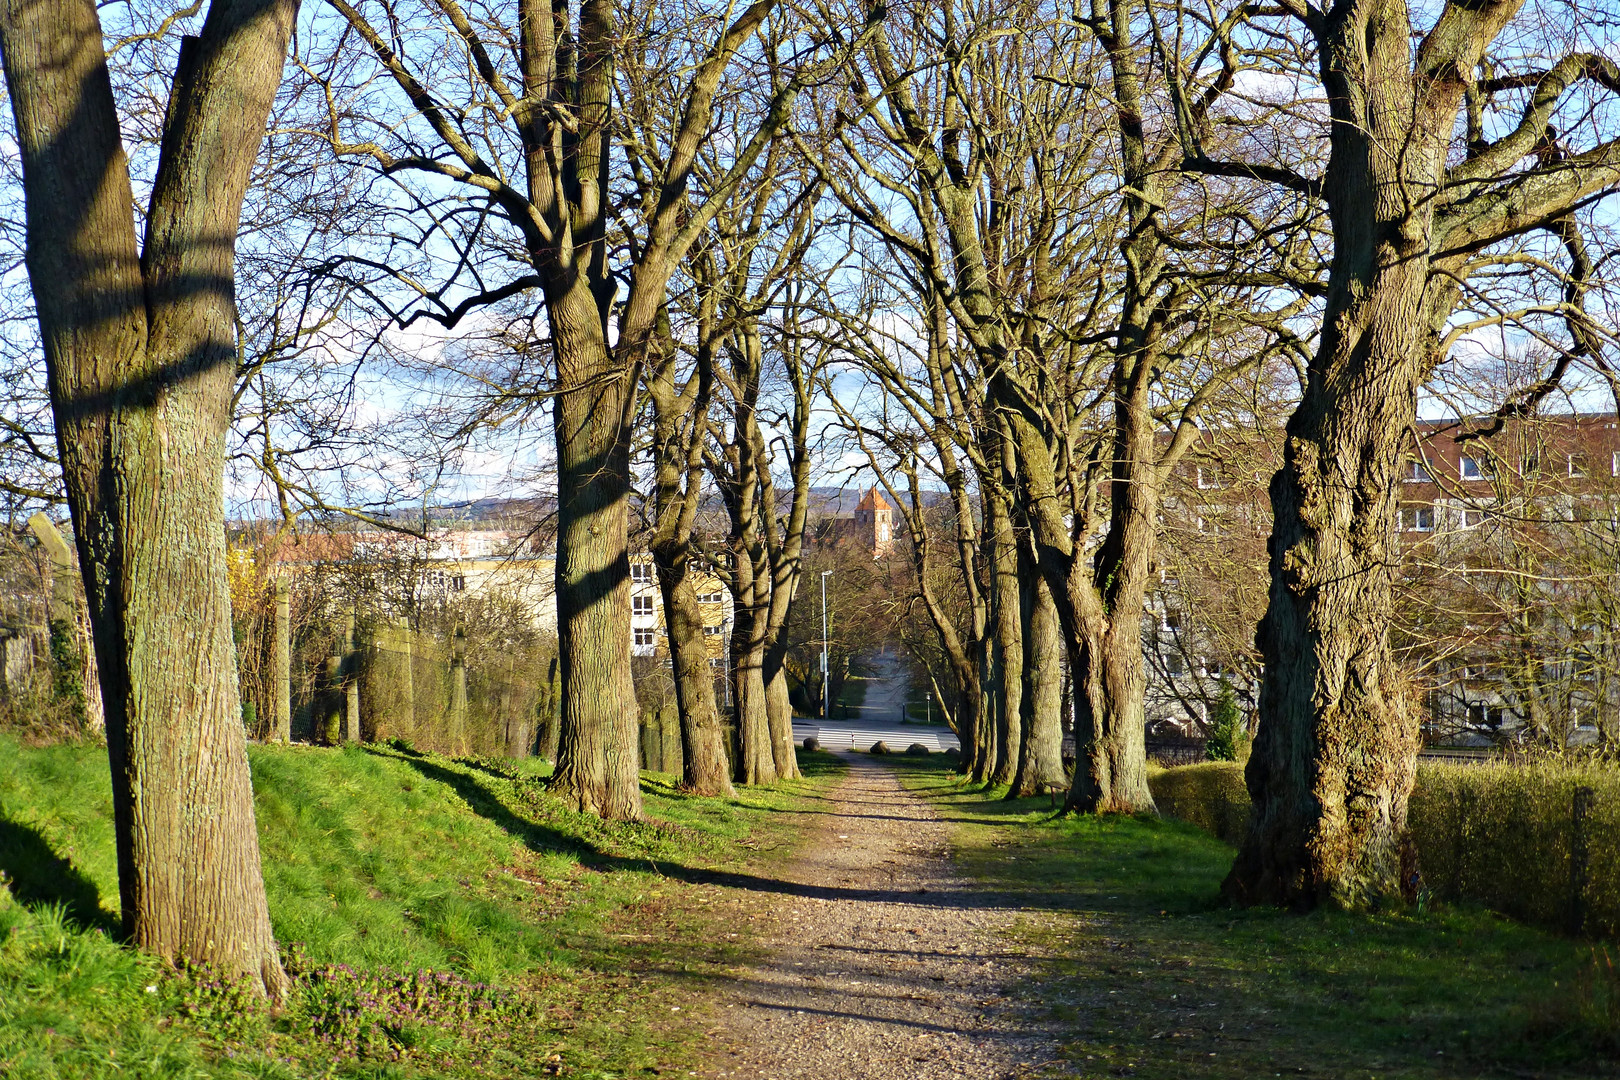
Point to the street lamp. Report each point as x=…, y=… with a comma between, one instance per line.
x=826, y=705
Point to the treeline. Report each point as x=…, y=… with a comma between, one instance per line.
x=1021, y=254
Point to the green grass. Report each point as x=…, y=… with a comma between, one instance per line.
x=560, y=941
x=1148, y=974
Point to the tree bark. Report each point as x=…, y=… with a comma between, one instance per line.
x=141, y=359
x=703, y=757
x=1040, y=750
x=1009, y=641
x=598, y=770
x=1335, y=756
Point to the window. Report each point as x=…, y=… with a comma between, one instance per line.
x=883, y=532
x=1577, y=465
x=641, y=605
x=1417, y=518
x=1530, y=465
x=1481, y=715
x=1209, y=476
x=1417, y=471
x=1471, y=469
x=711, y=598
x=1213, y=669
x=641, y=571
x=645, y=636
x=1172, y=621
x=1472, y=518
x=1173, y=665
x=712, y=631
x=1614, y=464
x=459, y=583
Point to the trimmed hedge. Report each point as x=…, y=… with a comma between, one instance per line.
x=1505, y=836
x=1210, y=795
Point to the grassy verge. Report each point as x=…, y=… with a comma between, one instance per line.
x=443, y=918
x=1147, y=974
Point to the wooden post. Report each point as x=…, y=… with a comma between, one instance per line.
x=281, y=667
x=351, y=681
x=457, y=736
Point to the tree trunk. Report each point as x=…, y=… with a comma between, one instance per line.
x=142, y=361
x=1335, y=755
x=703, y=758
x=779, y=719
x=1009, y=642
x=756, y=764
x=597, y=758
x=1040, y=756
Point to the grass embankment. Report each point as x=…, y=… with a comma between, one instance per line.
x=1148, y=974
x=555, y=943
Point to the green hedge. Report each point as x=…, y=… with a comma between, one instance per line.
x=1504, y=836
x=1210, y=795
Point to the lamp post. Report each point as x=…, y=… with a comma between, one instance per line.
x=826, y=705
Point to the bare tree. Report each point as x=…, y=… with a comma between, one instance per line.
x=1430, y=167
x=539, y=163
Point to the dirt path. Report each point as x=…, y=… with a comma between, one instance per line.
x=885, y=962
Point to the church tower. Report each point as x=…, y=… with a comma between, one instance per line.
x=874, y=522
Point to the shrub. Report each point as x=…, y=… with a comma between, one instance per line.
x=917, y=749
x=1506, y=837
x=1210, y=795
x=881, y=747
x=812, y=743
x=1228, y=737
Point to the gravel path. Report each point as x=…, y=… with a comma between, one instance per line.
x=885, y=962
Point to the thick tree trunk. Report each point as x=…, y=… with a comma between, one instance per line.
x=1040, y=751
x=141, y=358
x=779, y=718
x=756, y=764
x=1335, y=755
x=597, y=756
x=703, y=758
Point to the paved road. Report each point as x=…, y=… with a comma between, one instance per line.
x=860, y=735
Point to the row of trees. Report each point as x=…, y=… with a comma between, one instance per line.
x=1012, y=255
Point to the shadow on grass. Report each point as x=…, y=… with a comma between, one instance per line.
x=38, y=876
x=546, y=839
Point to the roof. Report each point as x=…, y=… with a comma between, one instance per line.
x=873, y=501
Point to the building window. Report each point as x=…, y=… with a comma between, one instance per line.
x=458, y=583
x=1417, y=518
x=883, y=532
x=644, y=636
x=1471, y=469
x=1172, y=621
x=1173, y=666
x=1577, y=465
x=1417, y=471
x=1614, y=464
x=1472, y=518
x=711, y=631
x=641, y=605
x=1208, y=477
x=711, y=598
x=641, y=571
